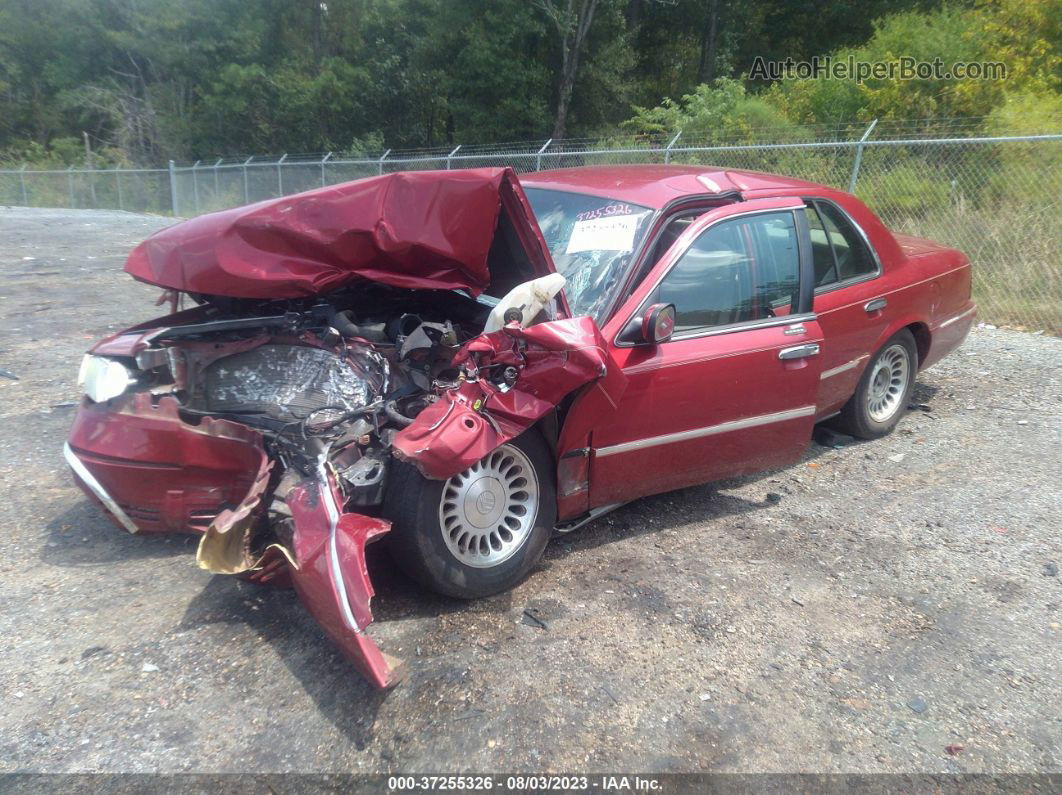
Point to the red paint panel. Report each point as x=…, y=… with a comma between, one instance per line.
x=332, y=579
x=169, y=476
x=426, y=230
x=690, y=385
x=657, y=185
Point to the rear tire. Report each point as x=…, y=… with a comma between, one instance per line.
x=479, y=532
x=883, y=392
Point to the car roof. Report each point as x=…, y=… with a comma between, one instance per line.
x=655, y=185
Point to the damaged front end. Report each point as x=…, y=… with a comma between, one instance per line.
x=269, y=425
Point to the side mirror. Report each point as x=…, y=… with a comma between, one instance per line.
x=658, y=323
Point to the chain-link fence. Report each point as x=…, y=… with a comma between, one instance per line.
x=995, y=198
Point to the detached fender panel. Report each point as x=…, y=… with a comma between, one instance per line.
x=332, y=580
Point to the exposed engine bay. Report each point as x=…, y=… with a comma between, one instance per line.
x=329, y=382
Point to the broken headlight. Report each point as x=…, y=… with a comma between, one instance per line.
x=102, y=378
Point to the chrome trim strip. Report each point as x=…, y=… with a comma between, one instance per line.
x=594, y=513
x=712, y=331
x=711, y=430
x=842, y=368
x=94, y=486
x=957, y=318
x=446, y=414
x=333, y=549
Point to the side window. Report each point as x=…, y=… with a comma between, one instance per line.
x=669, y=235
x=851, y=251
x=736, y=271
x=822, y=252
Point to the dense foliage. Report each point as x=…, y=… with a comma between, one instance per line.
x=151, y=79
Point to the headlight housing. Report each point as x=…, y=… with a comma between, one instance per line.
x=103, y=378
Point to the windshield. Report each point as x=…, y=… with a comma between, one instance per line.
x=591, y=240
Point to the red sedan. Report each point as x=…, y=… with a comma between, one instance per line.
x=469, y=362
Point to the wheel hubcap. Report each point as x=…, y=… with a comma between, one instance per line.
x=888, y=383
x=487, y=512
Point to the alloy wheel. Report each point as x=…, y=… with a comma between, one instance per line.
x=488, y=511
x=888, y=383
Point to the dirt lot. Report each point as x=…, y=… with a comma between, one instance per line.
x=860, y=611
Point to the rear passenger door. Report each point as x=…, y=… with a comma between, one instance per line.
x=851, y=309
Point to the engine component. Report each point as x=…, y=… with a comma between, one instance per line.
x=426, y=336
x=425, y=348
x=366, y=479
x=288, y=382
x=372, y=332
x=395, y=415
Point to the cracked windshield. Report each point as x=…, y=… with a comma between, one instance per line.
x=591, y=240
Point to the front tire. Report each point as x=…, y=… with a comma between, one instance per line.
x=479, y=532
x=883, y=391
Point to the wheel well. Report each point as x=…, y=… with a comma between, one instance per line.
x=920, y=332
x=549, y=427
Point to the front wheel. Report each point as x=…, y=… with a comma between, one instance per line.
x=479, y=532
x=883, y=391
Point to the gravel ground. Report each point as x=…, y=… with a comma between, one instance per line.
x=865, y=610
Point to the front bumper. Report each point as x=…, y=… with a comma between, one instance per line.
x=87, y=481
x=153, y=472
x=156, y=473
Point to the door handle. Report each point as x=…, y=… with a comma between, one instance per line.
x=875, y=305
x=799, y=351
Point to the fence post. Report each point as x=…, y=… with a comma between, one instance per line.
x=70, y=180
x=323, y=161
x=451, y=155
x=246, y=195
x=118, y=185
x=218, y=163
x=667, y=152
x=280, y=174
x=859, y=157
x=22, y=181
x=195, y=185
x=538, y=154
x=379, y=163
x=174, y=204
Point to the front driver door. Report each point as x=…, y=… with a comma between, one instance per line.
x=733, y=390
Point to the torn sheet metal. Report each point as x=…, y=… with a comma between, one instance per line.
x=552, y=359
x=331, y=578
x=421, y=230
x=226, y=546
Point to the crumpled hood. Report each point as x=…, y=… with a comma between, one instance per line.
x=419, y=230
